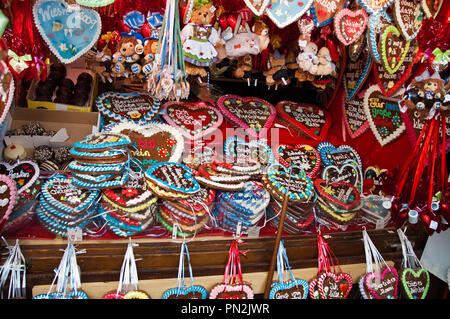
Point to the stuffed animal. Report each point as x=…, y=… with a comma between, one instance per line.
x=199, y=39
x=260, y=60
x=307, y=59
x=278, y=72
x=127, y=57
x=244, y=68
x=325, y=66
x=104, y=63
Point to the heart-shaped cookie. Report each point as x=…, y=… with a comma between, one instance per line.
x=231, y=291
x=357, y=71
x=69, y=30
x=431, y=7
x=24, y=173
x=257, y=6
x=193, y=120
x=7, y=198
x=354, y=116
x=152, y=144
x=283, y=13
x=293, y=289
x=136, y=107
x=383, y=285
x=323, y=11
x=375, y=6
x=314, y=292
x=408, y=15
x=307, y=119
x=191, y=292
x=332, y=286
x=302, y=155
x=378, y=176
x=99, y=142
x=173, y=177
x=384, y=115
x=254, y=115
x=350, y=25
x=347, y=173
x=377, y=23
x=415, y=283
x=332, y=155
x=257, y=150
x=344, y=195
x=393, y=48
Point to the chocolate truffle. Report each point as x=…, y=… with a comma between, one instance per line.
x=33, y=128
x=43, y=153
x=62, y=155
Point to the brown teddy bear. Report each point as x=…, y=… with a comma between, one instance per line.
x=244, y=68
x=104, y=63
x=278, y=72
x=126, y=57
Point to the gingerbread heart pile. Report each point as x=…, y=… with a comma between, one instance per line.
x=63, y=206
x=130, y=209
x=101, y=161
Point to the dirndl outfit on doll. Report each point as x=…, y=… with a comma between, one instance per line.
x=199, y=44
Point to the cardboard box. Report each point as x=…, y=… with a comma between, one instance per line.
x=72, y=74
x=76, y=125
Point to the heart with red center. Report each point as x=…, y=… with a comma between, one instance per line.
x=350, y=25
x=384, y=285
x=254, y=115
x=307, y=119
x=323, y=11
x=384, y=115
x=304, y=156
x=193, y=120
x=344, y=195
x=231, y=291
x=332, y=286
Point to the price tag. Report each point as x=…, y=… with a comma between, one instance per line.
x=174, y=231
x=238, y=229
x=379, y=224
x=75, y=234
x=253, y=231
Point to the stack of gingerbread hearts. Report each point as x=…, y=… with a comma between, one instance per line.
x=130, y=209
x=101, y=161
x=63, y=206
x=25, y=176
x=174, y=182
x=247, y=207
x=294, y=183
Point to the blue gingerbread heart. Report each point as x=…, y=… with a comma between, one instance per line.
x=69, y=30
x=293, y=289
x=196, y=292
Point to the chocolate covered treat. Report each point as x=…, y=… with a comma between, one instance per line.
x=33, y=128
x=43, y=153
x=62, y=155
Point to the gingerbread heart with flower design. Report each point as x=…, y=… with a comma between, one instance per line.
x=323, y=12
x=383, y=285
x=254, y=115
x=350, y=25
x=193, y=120
x=231, y=291
x=344, y=195
x=332, y=286
x=24, y=173
x=302, y=155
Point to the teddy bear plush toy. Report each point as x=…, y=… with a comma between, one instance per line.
x=307, y=59
x=104, y=63
x=199, y=39
x=244, y=68
x=277, y=73
x=325, y=66
x=127, y=56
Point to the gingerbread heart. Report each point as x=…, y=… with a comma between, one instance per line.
x=354, y=116
x=378, y=176
x=332, y=155
x=377, y=23
x=384, y=116
x=152, y=144
x=257, y=6
x=24, y=173
x=307, y=119
x=350, y=25
x=283, y=13
x=254, y=115
x=347, y=173
x=408, y=16
x=431, y=7
x=8, y=193
x=393, y=48
x=323, y=11
x=138, y=108
x=257, y=150
x=173, y=177
x=7, y=96
x=356, y=72
x=343, y=195
x=293, y=289
x=314, y=292
x=415, y=283
x=193, y=120
x=383, y=285
x=375, y=6
x=231, y=291
x=332, y=286
x=302, y=155
x=191, y=292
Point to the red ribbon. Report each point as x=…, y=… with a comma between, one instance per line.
x=233, y=266
x=444, y=180
x=325, y=257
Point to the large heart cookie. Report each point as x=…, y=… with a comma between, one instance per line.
x=344, y=195
x=191, y=292
x=293, y=289
x=257, y=150
x=303, y=156
x=194, y=121
x=357, y=71
x=375, y=6
x=323, y=11
x=393, y=48
x=283, y=13
x=254, y=115
x=355, y=118
x=153, y=143
x=307, y=119
x=348, y=173
x=415, y=283
x=24, y=174
x=231, y=291
x=138, y=108
x=332, y=155
x=350, y=25
x=8, y=193
x=384, y=116
x=377, y=23
x=69, y=30
x=408, y=16
x=384, y=285
x=332, y=286
x=173, y=177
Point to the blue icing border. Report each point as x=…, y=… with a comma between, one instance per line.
x=188, y=175
x=289, y=284
x=229, y=150
x=373, y=12
x=105, y=154
x=84, y=144
x=59, y=217
x=107, y=184
x=185, y=291
x=89, y=168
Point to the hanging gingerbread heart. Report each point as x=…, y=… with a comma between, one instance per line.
x=431, y=7
x=8, y=193
x=355, y=118
x=384, y=116
x=408, y=15
x=393, y=48
x=357, y=71
x=377, y=23
x=350, y=25
x=375, y=6
x=69, y=30
x=254, y=115
x=332, y=286
x=302, y=155
x=415, y=283
x=283, y=13
x=257, y=6
x=7, y=89
x=383, y=285
x=323, y=11
x=306, y=119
